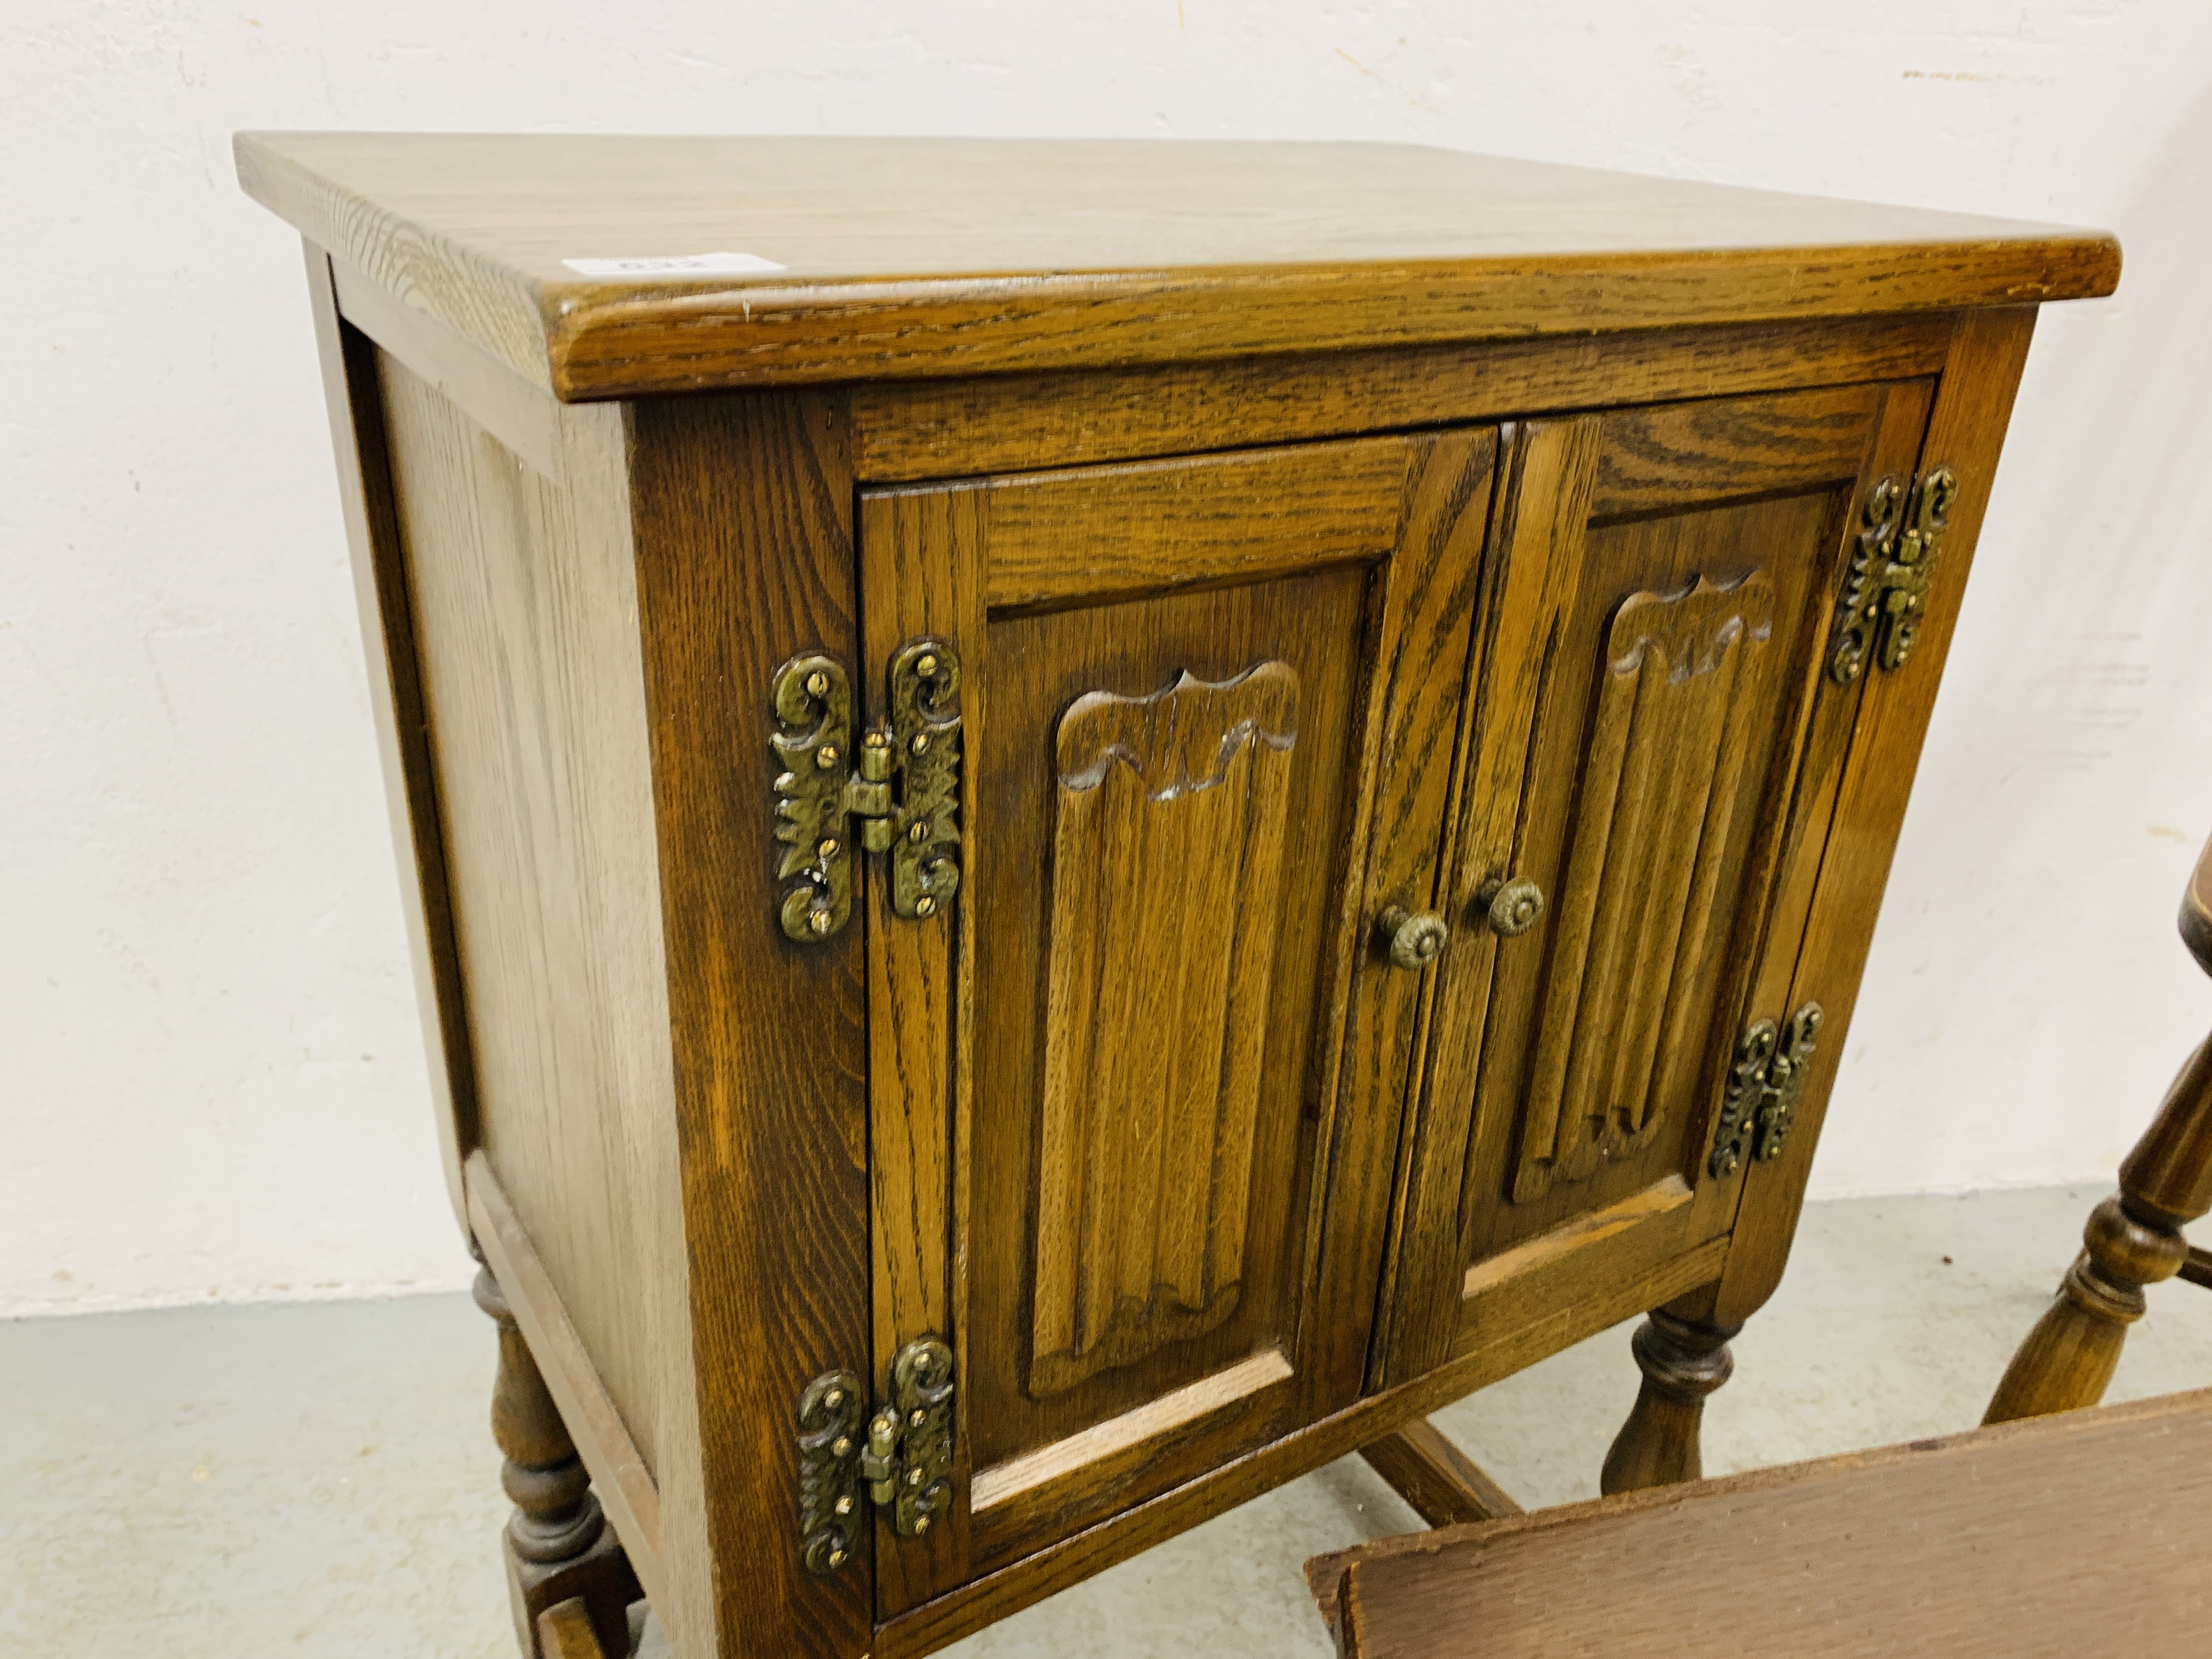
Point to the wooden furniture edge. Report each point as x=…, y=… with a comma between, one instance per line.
x=1439, y=1482
x=1060, y=1566
x=744, y=545
x=1719, y=1488
x=816, y=333
x=354, y=403
x=619, y=1475
x=1966, y=424
x=917, y=431
x=588, y=340
x=509, y=328
x=523, y=416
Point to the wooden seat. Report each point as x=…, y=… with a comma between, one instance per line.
x=2076, y=1533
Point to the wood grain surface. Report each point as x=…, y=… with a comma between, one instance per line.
x=355, y=399
x=914, y=429
x=522, y=585
x=1145, y=1168
x=522, y=416
x=743, y=522
x=1333, y=580
x=618, y=1471
x=1186, y=451
x=2084, y=1533
x=1095, y=534
x=1444, y=1485
x=922, y=1030
x=904, y=257
x=1872, y=781
x=1658, y=578
x=993, y=1595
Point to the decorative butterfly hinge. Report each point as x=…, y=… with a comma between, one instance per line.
x=1892, y=568
x=903, y=1456
x=1764, y=1085
x=899, y=795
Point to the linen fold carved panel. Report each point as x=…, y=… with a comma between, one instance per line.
x=1673, y=720
x=1170, y=819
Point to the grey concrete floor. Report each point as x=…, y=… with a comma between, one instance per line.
x=319, y=1478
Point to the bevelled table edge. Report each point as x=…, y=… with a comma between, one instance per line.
x=589, y=341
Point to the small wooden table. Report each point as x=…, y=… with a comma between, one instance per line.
x=1087, y=822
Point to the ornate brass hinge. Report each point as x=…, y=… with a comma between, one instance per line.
x=828, y=1464
x=904, y=1459
x=1764, y=1085
x=1892, y=570
x=898, y=795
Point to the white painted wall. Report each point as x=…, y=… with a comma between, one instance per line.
x=210, y=1081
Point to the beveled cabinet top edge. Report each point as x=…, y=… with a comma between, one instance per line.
x=913, y=258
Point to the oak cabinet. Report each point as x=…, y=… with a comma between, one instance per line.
x=1064, y=866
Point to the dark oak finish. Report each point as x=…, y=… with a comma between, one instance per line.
x=2073, y=1534
x=1651, y=696
x=1391, y=594
x=1682, y=1362
x=984, y=1600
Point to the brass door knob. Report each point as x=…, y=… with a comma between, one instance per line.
x=1412, y=938
x=1514, y=907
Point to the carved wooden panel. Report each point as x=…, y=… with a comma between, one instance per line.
x=1167, y=861
x=1669, y=729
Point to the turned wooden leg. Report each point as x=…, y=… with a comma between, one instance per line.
x=2069, y=1359
x=2133, y=1239
x=559, y=1546
x=1682, y=1362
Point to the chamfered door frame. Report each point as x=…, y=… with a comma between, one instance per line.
x=927, y=568
x=1435, y=1304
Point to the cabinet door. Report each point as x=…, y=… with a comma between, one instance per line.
x=1652, y=733
x=1209, y=711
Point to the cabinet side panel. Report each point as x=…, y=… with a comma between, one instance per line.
x=387, y=634
x=522, y=601
x=744, y=526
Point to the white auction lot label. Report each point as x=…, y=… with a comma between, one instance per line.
x=674, y=264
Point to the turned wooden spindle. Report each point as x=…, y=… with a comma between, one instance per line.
x=1682, y=1361
x=2133, y=1237
x=559, y=1546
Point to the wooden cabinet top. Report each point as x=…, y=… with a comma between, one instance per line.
x=896, y=257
